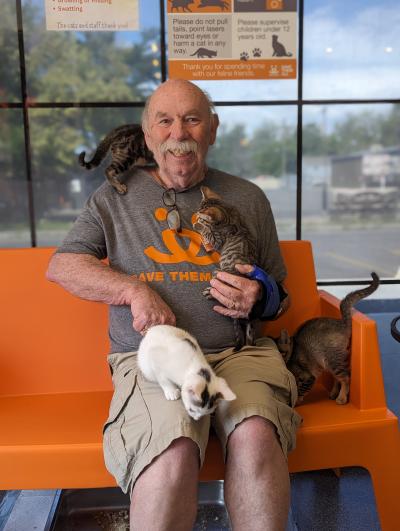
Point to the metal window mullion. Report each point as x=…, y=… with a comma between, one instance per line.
x=28, y=152
x=163, y=43
x=299, y=154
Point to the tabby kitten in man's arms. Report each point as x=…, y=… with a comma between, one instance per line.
x=223, y=229
x=323, y=344
x=128, y=148
x=172, y=357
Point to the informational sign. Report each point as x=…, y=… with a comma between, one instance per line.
x=92, y=15
x=232, y=39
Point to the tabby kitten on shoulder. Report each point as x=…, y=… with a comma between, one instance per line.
x=128, y=148
x=323, y=344
x=222, y=229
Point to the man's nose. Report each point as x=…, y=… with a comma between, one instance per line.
x=178, y=130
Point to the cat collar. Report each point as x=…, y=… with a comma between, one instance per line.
x=273, y=299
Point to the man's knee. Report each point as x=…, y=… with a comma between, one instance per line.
x=180, y=460
x=183, y=452
x=255, y=432
x=256, y=427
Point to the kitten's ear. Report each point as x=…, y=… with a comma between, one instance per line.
x=224, y=389
x=207, y=193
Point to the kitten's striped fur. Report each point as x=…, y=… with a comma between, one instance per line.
x=222, y=228
x=323, y=344
x=128, y=148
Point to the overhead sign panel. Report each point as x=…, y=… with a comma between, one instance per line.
x=232, y=39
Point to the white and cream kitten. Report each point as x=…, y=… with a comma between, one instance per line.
x=172, y=357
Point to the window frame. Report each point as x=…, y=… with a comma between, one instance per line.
x=299, y=103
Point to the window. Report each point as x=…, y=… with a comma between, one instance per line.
x=325, y=148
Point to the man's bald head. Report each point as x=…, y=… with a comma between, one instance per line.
x=173, y=88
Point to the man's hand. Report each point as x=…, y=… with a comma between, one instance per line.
x=148, y=309
x=236, y=294
x=87, y=277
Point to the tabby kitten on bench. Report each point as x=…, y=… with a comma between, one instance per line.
x=222, y=229
x=323, y=343
x=127, y=146
x=172, y=357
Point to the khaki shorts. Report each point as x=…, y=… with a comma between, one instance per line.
x=142, y=423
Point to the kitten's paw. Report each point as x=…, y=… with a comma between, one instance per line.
x=335, y=391
x=172, y=394
x=341, y=400
x=121, y=188
x=206, y=293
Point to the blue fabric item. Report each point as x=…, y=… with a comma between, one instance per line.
x=273, y=298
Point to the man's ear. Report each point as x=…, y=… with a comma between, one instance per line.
x=147, y=138
x=213, y=128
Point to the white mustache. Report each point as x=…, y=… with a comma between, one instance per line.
x=178, y=148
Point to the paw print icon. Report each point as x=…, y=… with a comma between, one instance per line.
x=257, y=52
x=244, y=56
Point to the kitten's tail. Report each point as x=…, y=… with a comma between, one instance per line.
x=99, y=154
x=104, y=146
x=352, y=298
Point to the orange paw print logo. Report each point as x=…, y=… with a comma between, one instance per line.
x=177, y=253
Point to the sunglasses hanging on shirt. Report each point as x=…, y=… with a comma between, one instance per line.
x=173, y=217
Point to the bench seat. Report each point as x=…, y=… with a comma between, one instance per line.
x=55, y=387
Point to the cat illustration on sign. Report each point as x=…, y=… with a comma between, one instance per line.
x=279, y=49
x=214, y=3
x=183, y=4
x=204, y=52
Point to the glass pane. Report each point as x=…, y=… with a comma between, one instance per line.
x=259, y=144
x=68, y=66
x=61, y=185
x=10, y=88
x=257, y=90
x=351, y=49
x=14, y=216
x=351, y=189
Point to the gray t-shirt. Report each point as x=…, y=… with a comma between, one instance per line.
x=132, y=232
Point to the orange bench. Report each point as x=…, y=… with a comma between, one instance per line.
x=55, y=387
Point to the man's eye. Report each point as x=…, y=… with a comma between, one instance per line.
x=164, y=121
x=192, y=119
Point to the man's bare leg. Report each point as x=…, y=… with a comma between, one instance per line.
x=257, y=485
x=165, y=494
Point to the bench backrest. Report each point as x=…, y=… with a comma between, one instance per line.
x=52, y=342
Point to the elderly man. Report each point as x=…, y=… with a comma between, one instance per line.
x=155, y=275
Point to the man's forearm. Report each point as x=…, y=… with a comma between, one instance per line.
x=87, y=277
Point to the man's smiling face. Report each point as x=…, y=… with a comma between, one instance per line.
x=179, y=128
